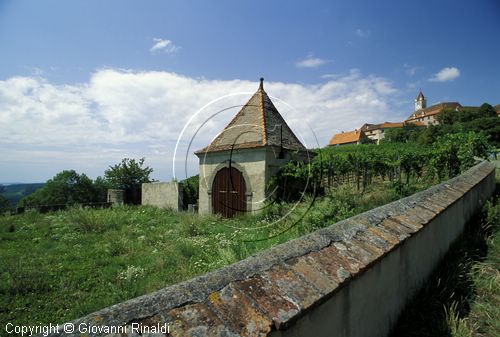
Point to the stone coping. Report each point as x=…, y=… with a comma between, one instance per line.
x=270, y=290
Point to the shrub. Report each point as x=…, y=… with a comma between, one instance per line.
x=190, y=188
x=86, y=220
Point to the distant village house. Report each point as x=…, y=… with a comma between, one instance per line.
x=348, y=138
x=422, y=116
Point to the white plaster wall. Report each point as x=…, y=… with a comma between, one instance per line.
x=251, y=162
x=257, y=165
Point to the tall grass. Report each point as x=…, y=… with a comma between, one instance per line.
x=462, y=298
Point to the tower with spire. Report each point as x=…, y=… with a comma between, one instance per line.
x=236, y=167
x=420, y=101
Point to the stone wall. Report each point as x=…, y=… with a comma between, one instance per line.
x=352, y=278
x=163, y=195
x=116, y=197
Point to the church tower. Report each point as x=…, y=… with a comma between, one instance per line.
x=420, y=102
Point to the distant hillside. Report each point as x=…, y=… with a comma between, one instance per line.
x=15, y=192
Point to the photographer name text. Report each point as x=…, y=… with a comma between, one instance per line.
x=85, y=328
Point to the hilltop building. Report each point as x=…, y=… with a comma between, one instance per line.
x=236, y=167
x=427, y=115
x=376, y=132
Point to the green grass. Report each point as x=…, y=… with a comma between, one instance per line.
x=60, y=266
x=484, y=316
x=462, y=298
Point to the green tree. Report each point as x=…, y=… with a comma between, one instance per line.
x=4, y=204
x=395, y=135
x=448, y=116
x=190, y=192
x=408, y=133
x=67, y=187
x=129, y=174
x=489, y=126
x=101, y=186
x=453, y=153
x=485, y=111
x=481, y=119
x=432, y=133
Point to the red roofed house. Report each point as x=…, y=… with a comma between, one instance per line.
x=236, y=167
x=348, y=138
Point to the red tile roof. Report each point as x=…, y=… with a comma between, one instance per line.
x=388, y=125
x=347, y=137
x=257, y=124
x=385, y=125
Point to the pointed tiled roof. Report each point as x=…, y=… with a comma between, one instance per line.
x=257, y=124
x=420, y=96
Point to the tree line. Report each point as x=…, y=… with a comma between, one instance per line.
x=70, y=187
x=482, y=120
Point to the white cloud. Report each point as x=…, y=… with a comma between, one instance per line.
x=363, y=32
x=330, y=76
x=310, y=62
x=445, y=74
x=163, y=45
x=410, y=70
x=120, y=113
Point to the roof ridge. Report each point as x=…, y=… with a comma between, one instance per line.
x=258, y=119
x=263, y=120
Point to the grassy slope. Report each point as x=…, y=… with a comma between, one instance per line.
x=462, y=298
x=484, y=316
x=59, y=266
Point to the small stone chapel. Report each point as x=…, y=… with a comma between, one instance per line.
x=236, y=167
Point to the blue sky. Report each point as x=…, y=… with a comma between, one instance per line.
x=86, y=83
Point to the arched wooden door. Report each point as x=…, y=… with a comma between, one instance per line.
x=228, y=192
